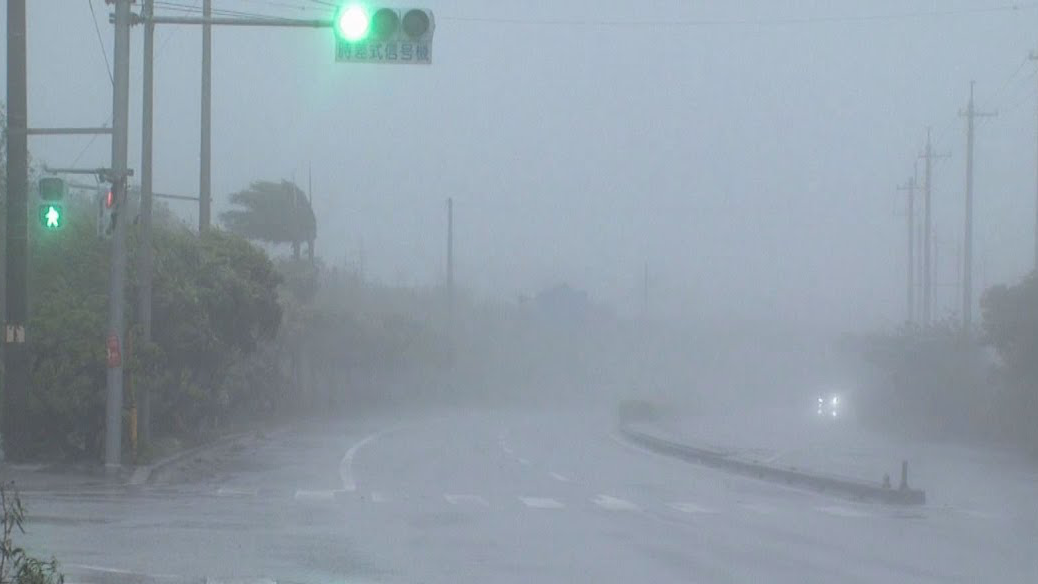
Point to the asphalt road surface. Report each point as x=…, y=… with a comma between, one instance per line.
x=483, y=496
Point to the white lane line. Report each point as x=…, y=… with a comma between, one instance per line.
x=240, y=581
x=559, y=477
x=304, y=495
x=378, y=497
x=507, y=450
x=758, y=508
x=541, y=503
x=842, y=511
x=691, y=508
x=236, y=492
x=346, y=465
x=614, y=503
x=523, y=461
x=466, y=500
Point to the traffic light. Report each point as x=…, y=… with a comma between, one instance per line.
x=106, y=212
x=51, y=212
x=52, y=216
x=380, y=34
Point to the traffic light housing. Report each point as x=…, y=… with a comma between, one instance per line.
x=381, y=34
x=106, y=212
x=51, y=212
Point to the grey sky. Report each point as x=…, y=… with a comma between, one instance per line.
x=753, y=166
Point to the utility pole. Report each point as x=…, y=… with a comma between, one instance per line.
x=117, y=277
x=16, y=361
x=1034, y=57
x=970, y=114
x=927, y=280
x=928, y=294
x=205, y=158
x=910, y=290
x=144, y=256
x=450, y=263
x=310, y=203
x=645, y=292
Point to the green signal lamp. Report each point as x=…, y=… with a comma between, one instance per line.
x=52, y=217
x=352, y=23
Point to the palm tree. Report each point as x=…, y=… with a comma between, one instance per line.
x=274, y=212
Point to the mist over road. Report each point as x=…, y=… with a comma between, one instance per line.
x=506, y=496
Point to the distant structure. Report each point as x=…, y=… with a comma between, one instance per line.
x=564, y=305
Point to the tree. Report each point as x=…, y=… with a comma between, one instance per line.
x=272, y=212
x=16, y=566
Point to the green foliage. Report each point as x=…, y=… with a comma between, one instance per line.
x=215, y=304
x=274, y=212
x=17, y=566
x=1011, y=327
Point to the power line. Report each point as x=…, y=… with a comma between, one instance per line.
x=100, y=41
x=680, y=23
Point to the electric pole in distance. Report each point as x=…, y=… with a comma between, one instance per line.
x=909, y=186
x=970, y=114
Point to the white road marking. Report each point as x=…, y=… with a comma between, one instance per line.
x=614, y=504
x=507, y=450
x=303, y=495
x=559, y=477
x=842, y=511
x=466, y=499
x=758, y=508
x=346, y=465
x=235, y=492
x=523, y=461
x=240, y=581
x=691, y=508
x=378, y=497
x=541, y=503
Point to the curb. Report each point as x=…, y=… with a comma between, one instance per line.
x=144, y=474
x=855, y=489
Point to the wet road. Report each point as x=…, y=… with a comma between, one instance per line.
x=509, y=497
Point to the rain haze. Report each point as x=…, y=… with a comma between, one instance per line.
x=673, y=337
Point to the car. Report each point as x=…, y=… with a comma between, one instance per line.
x=830, y=406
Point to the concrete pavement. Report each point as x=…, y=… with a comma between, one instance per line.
x=483, y=496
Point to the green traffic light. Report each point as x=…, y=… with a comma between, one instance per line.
x=52, y=217
x=353, y=23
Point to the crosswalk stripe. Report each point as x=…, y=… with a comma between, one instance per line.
x=304, y=495
x=541, y=503
x=466, y=499
x=691, y=508
x=236, y=492
x=614, y=503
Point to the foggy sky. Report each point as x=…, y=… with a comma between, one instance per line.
x=753, y=166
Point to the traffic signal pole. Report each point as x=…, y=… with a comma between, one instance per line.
x=16, y=362
x=117, y=275
x=144, y=255
x=206, y=145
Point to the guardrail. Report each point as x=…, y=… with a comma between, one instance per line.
x=881, y=492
